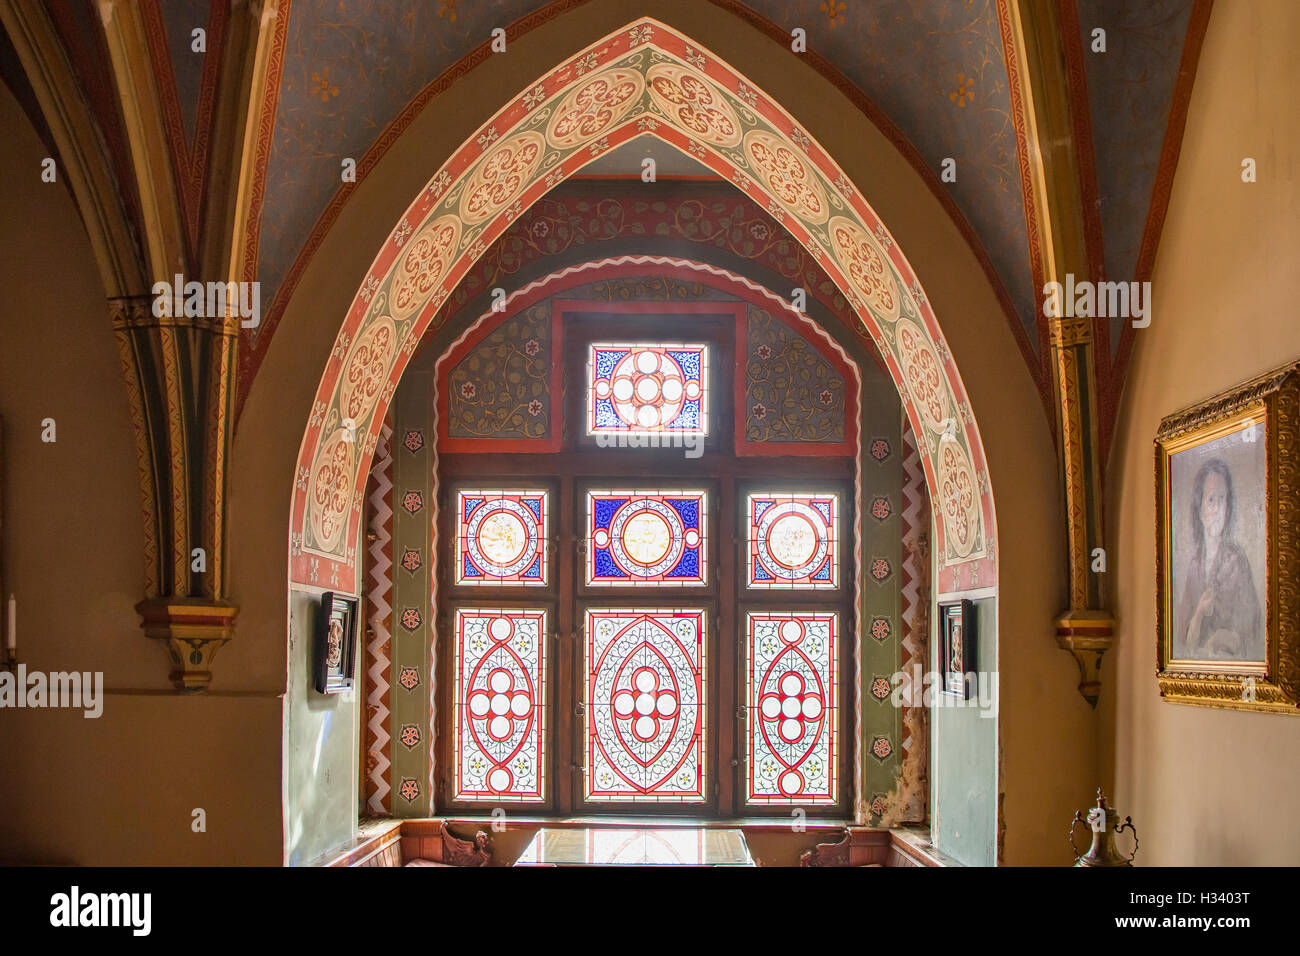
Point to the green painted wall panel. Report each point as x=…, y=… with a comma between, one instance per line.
x=321, y=750
x=964, y=757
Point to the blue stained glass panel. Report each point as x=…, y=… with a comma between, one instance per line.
x=638, y=536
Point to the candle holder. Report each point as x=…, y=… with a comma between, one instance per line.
x=9, y=659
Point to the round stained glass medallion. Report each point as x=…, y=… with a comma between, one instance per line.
x=501, y=537
x=793, y=539
x=646, y=537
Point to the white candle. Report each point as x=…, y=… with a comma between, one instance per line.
x=12, y=641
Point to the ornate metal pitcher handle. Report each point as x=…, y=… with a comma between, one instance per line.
x=1128, y=822
x=1078, y=818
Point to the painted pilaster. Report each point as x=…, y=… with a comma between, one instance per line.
x=1085, y=628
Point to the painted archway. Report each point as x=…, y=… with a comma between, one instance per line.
x=645, y=79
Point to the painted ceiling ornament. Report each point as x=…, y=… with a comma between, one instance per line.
x=330, y=491
x=693, y=104
x=959, y=499
x=923, y=374
x=860, y=256
x=366, y=370
x=787, y=176
x=501, y=176
x=594, y=106
x=425, y=263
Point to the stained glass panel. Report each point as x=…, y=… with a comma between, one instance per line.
x=646, y=389
x=501, y=538
x=500, y=701
x=638, y=536
x=793, y=541
x=645, y=707
x=792, y=706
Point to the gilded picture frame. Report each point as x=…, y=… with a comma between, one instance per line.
x=1227, y=482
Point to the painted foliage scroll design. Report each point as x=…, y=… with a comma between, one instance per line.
x=792, y=393
x=501, y=389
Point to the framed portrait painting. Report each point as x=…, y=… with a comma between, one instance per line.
x=1228, y=548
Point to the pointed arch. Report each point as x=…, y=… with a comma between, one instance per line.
x=644, y=79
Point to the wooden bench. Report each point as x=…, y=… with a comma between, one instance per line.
x=863, y=847
x=390, y=843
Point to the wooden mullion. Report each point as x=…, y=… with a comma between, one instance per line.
x=727, y=763
x=567, y=745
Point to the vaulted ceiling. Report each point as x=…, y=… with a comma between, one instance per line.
x=939, y=77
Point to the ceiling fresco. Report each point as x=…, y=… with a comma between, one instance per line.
x=1130, y=92
x=932, y=74
x=936, y=69
x=180, y=18
x=349, y=70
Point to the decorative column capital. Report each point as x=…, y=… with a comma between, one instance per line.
x=1087, y=634
x=194, y=630
x=1068, y=331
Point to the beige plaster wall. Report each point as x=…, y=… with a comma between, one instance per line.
x=1207, y=786
x=119, y=789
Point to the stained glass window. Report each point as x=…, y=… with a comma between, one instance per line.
x=645, y=707
x=501, y=537
x=644, y=549
x=792, y=707
x=647, y=389
x=500, y=703
x=792, y=541
x=639, y=536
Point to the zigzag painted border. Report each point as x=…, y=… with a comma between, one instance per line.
x=379, y=615
x=914, y=590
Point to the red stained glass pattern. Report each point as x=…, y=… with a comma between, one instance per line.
x=501, y=538
x=645, y=708
x=793, y=541
x=500, y=700
x=647, y=389
x=792, y=712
